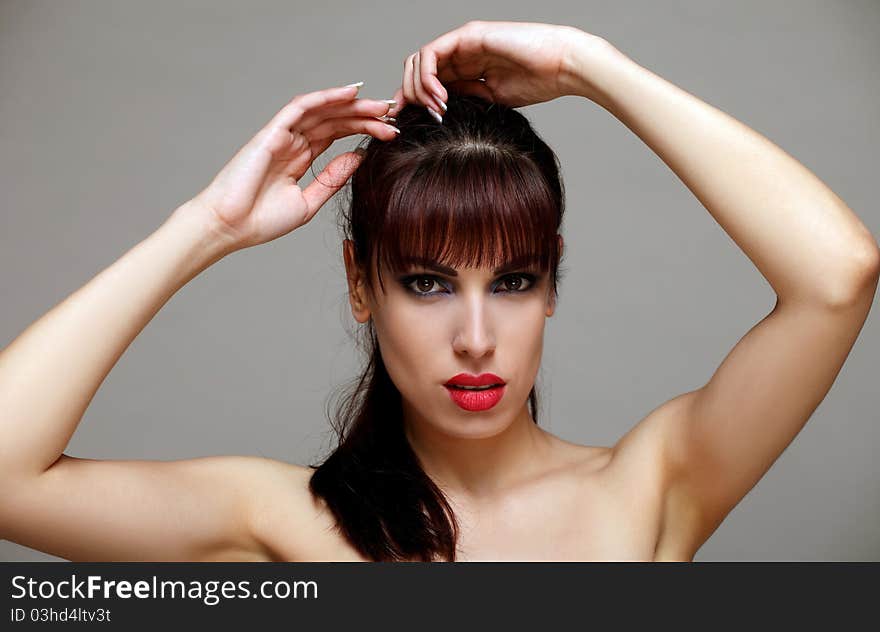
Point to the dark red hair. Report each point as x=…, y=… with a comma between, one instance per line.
x=480, y=189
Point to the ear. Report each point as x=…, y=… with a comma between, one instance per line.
x=551, y=303
x=551, y=297
x=357, y=295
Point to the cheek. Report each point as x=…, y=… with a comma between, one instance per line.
x=522, y=335
x=407, y=340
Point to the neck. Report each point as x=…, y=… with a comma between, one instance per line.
x=479, y=467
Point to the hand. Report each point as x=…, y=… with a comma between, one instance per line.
x=514, y=63
x=255, y=198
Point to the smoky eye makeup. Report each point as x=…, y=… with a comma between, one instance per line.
x=425, y=285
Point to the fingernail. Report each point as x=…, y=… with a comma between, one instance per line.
x=384, y=118
x=392, y=127
x=389, y=101
x=439, y=102
x=434, y=113
x=355, y=85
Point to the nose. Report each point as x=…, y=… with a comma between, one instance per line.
x=474, y=334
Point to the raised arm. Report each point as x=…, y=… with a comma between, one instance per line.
x=819, y=258
x=86, y=509
x=82, y=509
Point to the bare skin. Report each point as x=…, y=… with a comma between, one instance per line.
x=657, y=494
x=586, y=505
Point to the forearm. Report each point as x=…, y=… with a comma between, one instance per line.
x=801, y=236
x=51, y=371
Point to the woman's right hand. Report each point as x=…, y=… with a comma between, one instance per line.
x=256, y=197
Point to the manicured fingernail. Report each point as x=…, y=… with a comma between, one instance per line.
x=384, y=118
x=397, y=131
x=389, y=101
x=439, y=102
x=355, y=85
x=434, y=113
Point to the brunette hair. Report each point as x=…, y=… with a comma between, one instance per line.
x=480, y=189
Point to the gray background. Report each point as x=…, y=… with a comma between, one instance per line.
x=114, y=113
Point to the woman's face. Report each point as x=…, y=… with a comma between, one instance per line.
x=433, y=324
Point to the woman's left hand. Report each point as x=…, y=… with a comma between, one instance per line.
x=513, y=63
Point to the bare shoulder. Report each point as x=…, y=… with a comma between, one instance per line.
x=582, y=461
x=639, y=451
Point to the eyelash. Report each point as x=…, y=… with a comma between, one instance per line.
x=408, y=280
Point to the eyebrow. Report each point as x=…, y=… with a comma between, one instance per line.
x=510, y=266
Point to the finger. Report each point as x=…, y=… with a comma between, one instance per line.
x=300, y=105
x=401, y=102
x=438, y=56
x=321, y=137
x=355, y=108
x=428, y=75
x=342, y=127
x=300, y=165
x=408, y=91
x=332, y=178
x=421, y=95
x=277, y=139
x=425, y=96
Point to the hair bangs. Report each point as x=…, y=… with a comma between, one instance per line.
x=476, y=206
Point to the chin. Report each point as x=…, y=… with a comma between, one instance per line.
x=467, y=425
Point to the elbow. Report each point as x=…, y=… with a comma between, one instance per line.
x=860, y=280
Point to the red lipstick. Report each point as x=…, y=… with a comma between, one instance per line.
x=485, y=390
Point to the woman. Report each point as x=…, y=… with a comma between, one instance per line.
x=459, y=209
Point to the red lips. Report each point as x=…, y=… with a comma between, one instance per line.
x=466, y=379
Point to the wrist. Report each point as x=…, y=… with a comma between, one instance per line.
x=590, y=68
x=192, y=228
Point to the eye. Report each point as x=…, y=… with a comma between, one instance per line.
x=421, y=285
x=514, y=282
